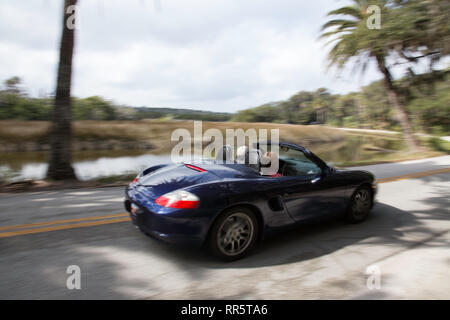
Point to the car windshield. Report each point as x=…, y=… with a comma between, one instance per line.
x=295, y=163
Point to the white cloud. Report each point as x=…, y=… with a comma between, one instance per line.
x=212, y=55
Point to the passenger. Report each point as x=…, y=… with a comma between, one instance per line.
x=267, y=160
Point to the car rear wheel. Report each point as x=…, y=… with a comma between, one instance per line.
x=234, y=234
x=360, y=205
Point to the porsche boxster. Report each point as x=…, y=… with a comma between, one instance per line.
x=229, y=206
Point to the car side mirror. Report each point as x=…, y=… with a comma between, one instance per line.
x=331, y=170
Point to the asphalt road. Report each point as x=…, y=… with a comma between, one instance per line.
x=406, y=240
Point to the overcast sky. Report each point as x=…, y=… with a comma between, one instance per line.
x=218, y=55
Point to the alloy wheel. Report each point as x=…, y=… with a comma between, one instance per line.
x=235, y=234
x=361, y=202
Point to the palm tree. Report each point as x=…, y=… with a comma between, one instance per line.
x=354, y=42
x=60, y=167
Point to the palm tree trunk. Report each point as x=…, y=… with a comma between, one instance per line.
x=399, y=108
x=60, y=167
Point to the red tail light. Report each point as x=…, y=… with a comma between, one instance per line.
x=190, y=166
x=179, y=199
x=135, y=180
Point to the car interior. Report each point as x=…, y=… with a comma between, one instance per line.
x=291, y=162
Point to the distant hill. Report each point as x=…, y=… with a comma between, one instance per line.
x=182, y=114
x=16, y=104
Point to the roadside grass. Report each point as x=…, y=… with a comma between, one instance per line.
x=391, y=158
x=44, y=185
x=439, y=145
x=23, y=131
x=396, y=151
x=120, y=179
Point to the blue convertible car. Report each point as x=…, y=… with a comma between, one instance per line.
x=230, y=205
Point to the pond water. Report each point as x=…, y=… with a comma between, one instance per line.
x=87, y=165
x=95, y=164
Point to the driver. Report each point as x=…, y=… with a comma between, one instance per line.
x=268, y=161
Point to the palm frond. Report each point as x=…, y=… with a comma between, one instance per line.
x=350, y=39
x=349, y=11
x=340, y=23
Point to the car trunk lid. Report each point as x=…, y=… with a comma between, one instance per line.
x=173, y=177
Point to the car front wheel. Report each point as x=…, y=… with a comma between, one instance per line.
x=360, y=205
x=234, y=234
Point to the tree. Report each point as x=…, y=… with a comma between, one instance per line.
x=378, y=111
x=420, y=30
x=354, y=41
x=60, y=167
x=12, y=84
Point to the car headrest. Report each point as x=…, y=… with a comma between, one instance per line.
x=242, y=155
x=254, y=157
x=225, y=154
x=270, y=165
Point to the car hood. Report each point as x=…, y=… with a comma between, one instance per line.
x=358, y=172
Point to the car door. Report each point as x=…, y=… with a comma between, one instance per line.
x=309, y=190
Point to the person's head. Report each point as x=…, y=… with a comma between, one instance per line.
x=269, y=163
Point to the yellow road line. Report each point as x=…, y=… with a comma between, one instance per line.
x=38, y=224
x=123, y=217
x=413, y=175
x=63, y=227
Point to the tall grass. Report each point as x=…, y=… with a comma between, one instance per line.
x=157, y=133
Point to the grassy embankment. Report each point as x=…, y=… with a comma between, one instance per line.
x=143, y=134
x=155, y=135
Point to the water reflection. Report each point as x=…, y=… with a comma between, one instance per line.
x=88, y=169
